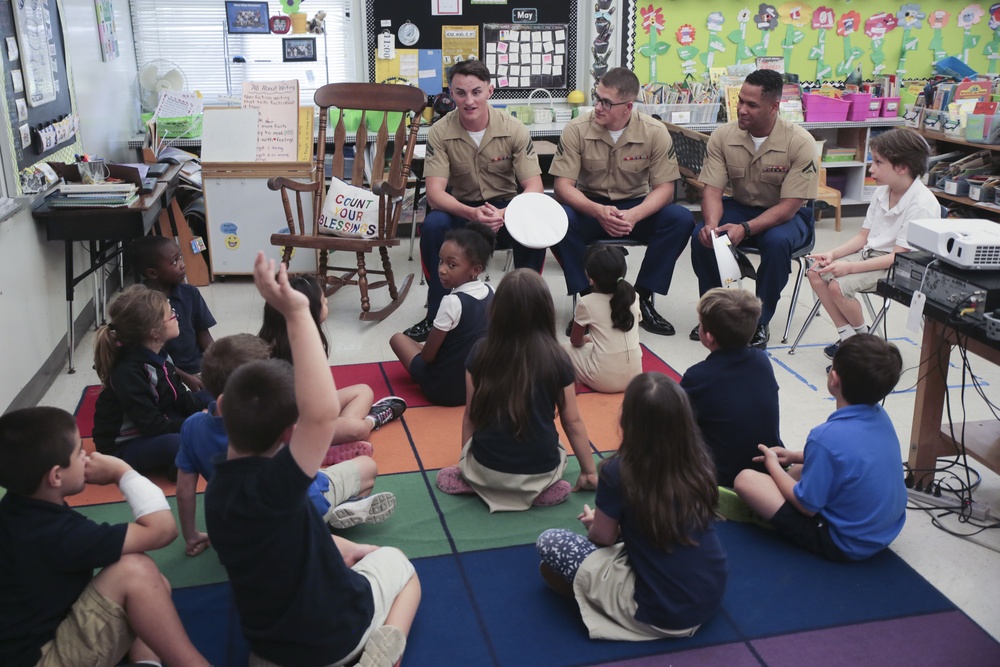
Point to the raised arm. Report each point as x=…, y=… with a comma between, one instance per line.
x=315, y=391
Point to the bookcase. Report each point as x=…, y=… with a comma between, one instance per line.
x=849, y=176
x=945, y=143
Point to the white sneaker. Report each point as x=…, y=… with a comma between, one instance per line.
x=375, y=508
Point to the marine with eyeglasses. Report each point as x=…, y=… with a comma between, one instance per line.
x=614, y=174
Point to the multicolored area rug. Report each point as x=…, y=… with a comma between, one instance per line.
x=484, y=603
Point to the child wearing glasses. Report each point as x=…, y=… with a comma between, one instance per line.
x=142, y=404
x=158, y=260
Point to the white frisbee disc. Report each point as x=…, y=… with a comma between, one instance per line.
x=536, y=220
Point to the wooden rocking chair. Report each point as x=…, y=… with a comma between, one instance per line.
x=389, y=186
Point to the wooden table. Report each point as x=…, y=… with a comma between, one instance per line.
x=929, y=440
x=105, y=232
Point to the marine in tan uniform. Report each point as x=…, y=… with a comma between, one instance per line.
x=483, y=156
x=614, y=174
x=771, y=166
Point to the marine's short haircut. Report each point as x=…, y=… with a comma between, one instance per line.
x=623, y=81
x=770, y=82
x=474, y=68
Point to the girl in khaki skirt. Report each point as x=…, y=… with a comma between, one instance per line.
x=651, y=565
x=516, y=379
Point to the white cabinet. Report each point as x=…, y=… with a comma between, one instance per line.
x=849, y=176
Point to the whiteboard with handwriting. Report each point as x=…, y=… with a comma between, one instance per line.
x=277, y=125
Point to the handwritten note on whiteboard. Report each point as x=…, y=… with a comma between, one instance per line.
x=277, y=126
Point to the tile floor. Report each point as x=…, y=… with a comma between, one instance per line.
x=960, y=568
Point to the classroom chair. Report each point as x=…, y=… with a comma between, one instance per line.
x=389, y=186
x=877, y=318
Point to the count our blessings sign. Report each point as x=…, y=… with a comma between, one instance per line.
x=349, y=211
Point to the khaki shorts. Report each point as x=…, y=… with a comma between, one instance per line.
x=96, y=633
x=853, y=283
x=388, y=571
x=345, y=482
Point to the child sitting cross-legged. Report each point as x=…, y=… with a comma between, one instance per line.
x=303, y=597
x=899, y=159
x=204, y=438
x=733, y=392
x=438, y=365
x=159, y=261
x=651, y=565
x=54, y=612
x=517, y=377
x=359, y=416
x=843, y=497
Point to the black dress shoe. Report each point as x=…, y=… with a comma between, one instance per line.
x=652, y=321
x=760, y=337
x=694, y=335
x=419, y=331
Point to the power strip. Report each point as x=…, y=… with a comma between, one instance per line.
x=978, y=511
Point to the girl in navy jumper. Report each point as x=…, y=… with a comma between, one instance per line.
x=651, y=564
x=439, y=365
x=141, y=408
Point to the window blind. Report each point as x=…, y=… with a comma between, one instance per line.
x=192, y=35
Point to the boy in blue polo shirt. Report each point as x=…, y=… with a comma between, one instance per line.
x=158, y=260
x=843, y=497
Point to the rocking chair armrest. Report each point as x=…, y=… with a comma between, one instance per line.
x=280, y=182
x=385, y=188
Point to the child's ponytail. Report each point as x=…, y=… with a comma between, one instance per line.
x=622, y=299
x=133, y=317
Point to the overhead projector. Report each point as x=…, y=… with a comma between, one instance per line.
x=967, y=243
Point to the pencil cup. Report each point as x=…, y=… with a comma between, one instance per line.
x=93, y=172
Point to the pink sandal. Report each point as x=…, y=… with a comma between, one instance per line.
x=346, y=451
x=554, y=495
x=451, y=482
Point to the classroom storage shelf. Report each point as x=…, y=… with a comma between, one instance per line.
x=938, y=137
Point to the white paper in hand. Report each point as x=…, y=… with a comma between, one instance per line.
x=729, y=270
x=536, y=220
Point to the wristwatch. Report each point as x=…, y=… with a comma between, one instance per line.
x=746, y=228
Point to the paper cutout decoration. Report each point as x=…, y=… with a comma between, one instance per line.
x=967, y=18
x=992, y=48
x=715, y=43
x=685, y=37
x=766, y=21
x=794, y=16
x=739, y=36
x=910, y=17
x=938, y=20
x=822, y=20
x=653, y=23
x=847, y=26
x=876, y=27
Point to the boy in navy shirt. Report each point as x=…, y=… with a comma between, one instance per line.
x=843, y=497
x=160, y=263
x=303, y=598
x=53, y=611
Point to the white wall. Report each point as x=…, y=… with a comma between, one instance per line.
x=32, y=286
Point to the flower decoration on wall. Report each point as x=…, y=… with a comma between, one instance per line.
x=847, y=26
x=910, y=18
x=793, y=15
x=876, y=27
x=715, y=43
x=739, y=36
x=938, y=20
x=687, y=52
x=992, y=48
x=766, y=21
x=967, y=18
x=822, y=20
x=653, y=23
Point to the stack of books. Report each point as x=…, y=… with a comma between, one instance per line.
x=105, y=195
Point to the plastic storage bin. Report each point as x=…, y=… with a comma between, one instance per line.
x=890, y=107
x=912, y=115
x=859, y=105
x=874, y=107
x=933, y=119
x=982, y=129
x=956, y=186
x=682, y=114
x=819, y=108
x=953, y=125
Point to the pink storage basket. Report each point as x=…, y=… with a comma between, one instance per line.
x=874, y=107
x=819, y=108
x=859, y=105
x=890, y=107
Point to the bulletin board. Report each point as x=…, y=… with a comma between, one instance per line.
x=821, y=42
x=398, y=12
x=526, y=56
x=58, y=105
